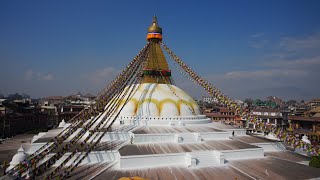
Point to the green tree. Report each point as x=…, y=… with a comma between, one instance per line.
x=315, y=162
x=15, y=96
x=248, y=102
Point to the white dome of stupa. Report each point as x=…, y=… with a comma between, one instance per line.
x=159, y=100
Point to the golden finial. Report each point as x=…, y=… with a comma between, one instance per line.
x=154, y=30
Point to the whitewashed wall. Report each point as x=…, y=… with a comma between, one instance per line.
x=271, y=147
x=214, y=135
x=113, y=136
x=206, y=158
x=92, y=158
x=243, y=153
x=34, y=147
x=154, y=160
x=237, y=132
x=154, y=138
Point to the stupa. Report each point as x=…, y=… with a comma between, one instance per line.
x=143, y=125
x=156, y=100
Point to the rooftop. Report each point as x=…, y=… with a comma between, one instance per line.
x=217, y=172
x=314, y=110
x=263, y=168
x=274, y=168
x=303, y=118
x=163, y=148
x=266, y=110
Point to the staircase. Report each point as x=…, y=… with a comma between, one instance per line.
x=279, y=146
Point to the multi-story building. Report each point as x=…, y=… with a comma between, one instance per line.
x=303, y=125
x=298, y=110
x=51, y=113
x=271, y=116
x=223, y=114
x=314, y=103
x=276, y=100
x=209, y=100
x=69, y=111
x=19, y=117
x=315, y=112
x=53, y=100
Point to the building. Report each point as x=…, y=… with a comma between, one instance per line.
x=314, y=103
x=19, y=117
x=309, y=126
x=241, y=103
x=69, y=111
x=223, y=114
x=209, y=100
x=271, y=116
x=276, y=100
x=298, y=110
x=3, y=109
x=52, y=101
x=80, y=99
x=315, y=112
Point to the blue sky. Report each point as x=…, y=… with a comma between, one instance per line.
x=246, y=48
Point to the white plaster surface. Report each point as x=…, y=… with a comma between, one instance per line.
x=34, y=147
x=92, y=158
x=243, y=153
x=206, y=158
x=159, y=100
x=214, y=135
x=154, y=160
x=115, y=136
x=271, y=146
x=153, y=138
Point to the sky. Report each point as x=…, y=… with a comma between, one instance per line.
x=246, y=48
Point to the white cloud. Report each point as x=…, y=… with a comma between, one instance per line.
x=32, y=75
x=268, y=73
x=293, y=44
x=258, y=41
x=257, y=35
x=46, y=77
x=285, y=83
x=101, y=75
x=290, y=69
x=298, y=63
x=29, y=74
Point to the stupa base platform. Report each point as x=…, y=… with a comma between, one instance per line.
x=164, y=121
x=258, y=168
x=192, y=148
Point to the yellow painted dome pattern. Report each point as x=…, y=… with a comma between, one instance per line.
x=162, y=100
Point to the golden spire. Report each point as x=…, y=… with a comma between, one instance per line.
x=154, y=31
x=154, y=28
x=156, y=69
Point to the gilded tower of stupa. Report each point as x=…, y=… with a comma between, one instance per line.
x=156, y=99
x=156, y=69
